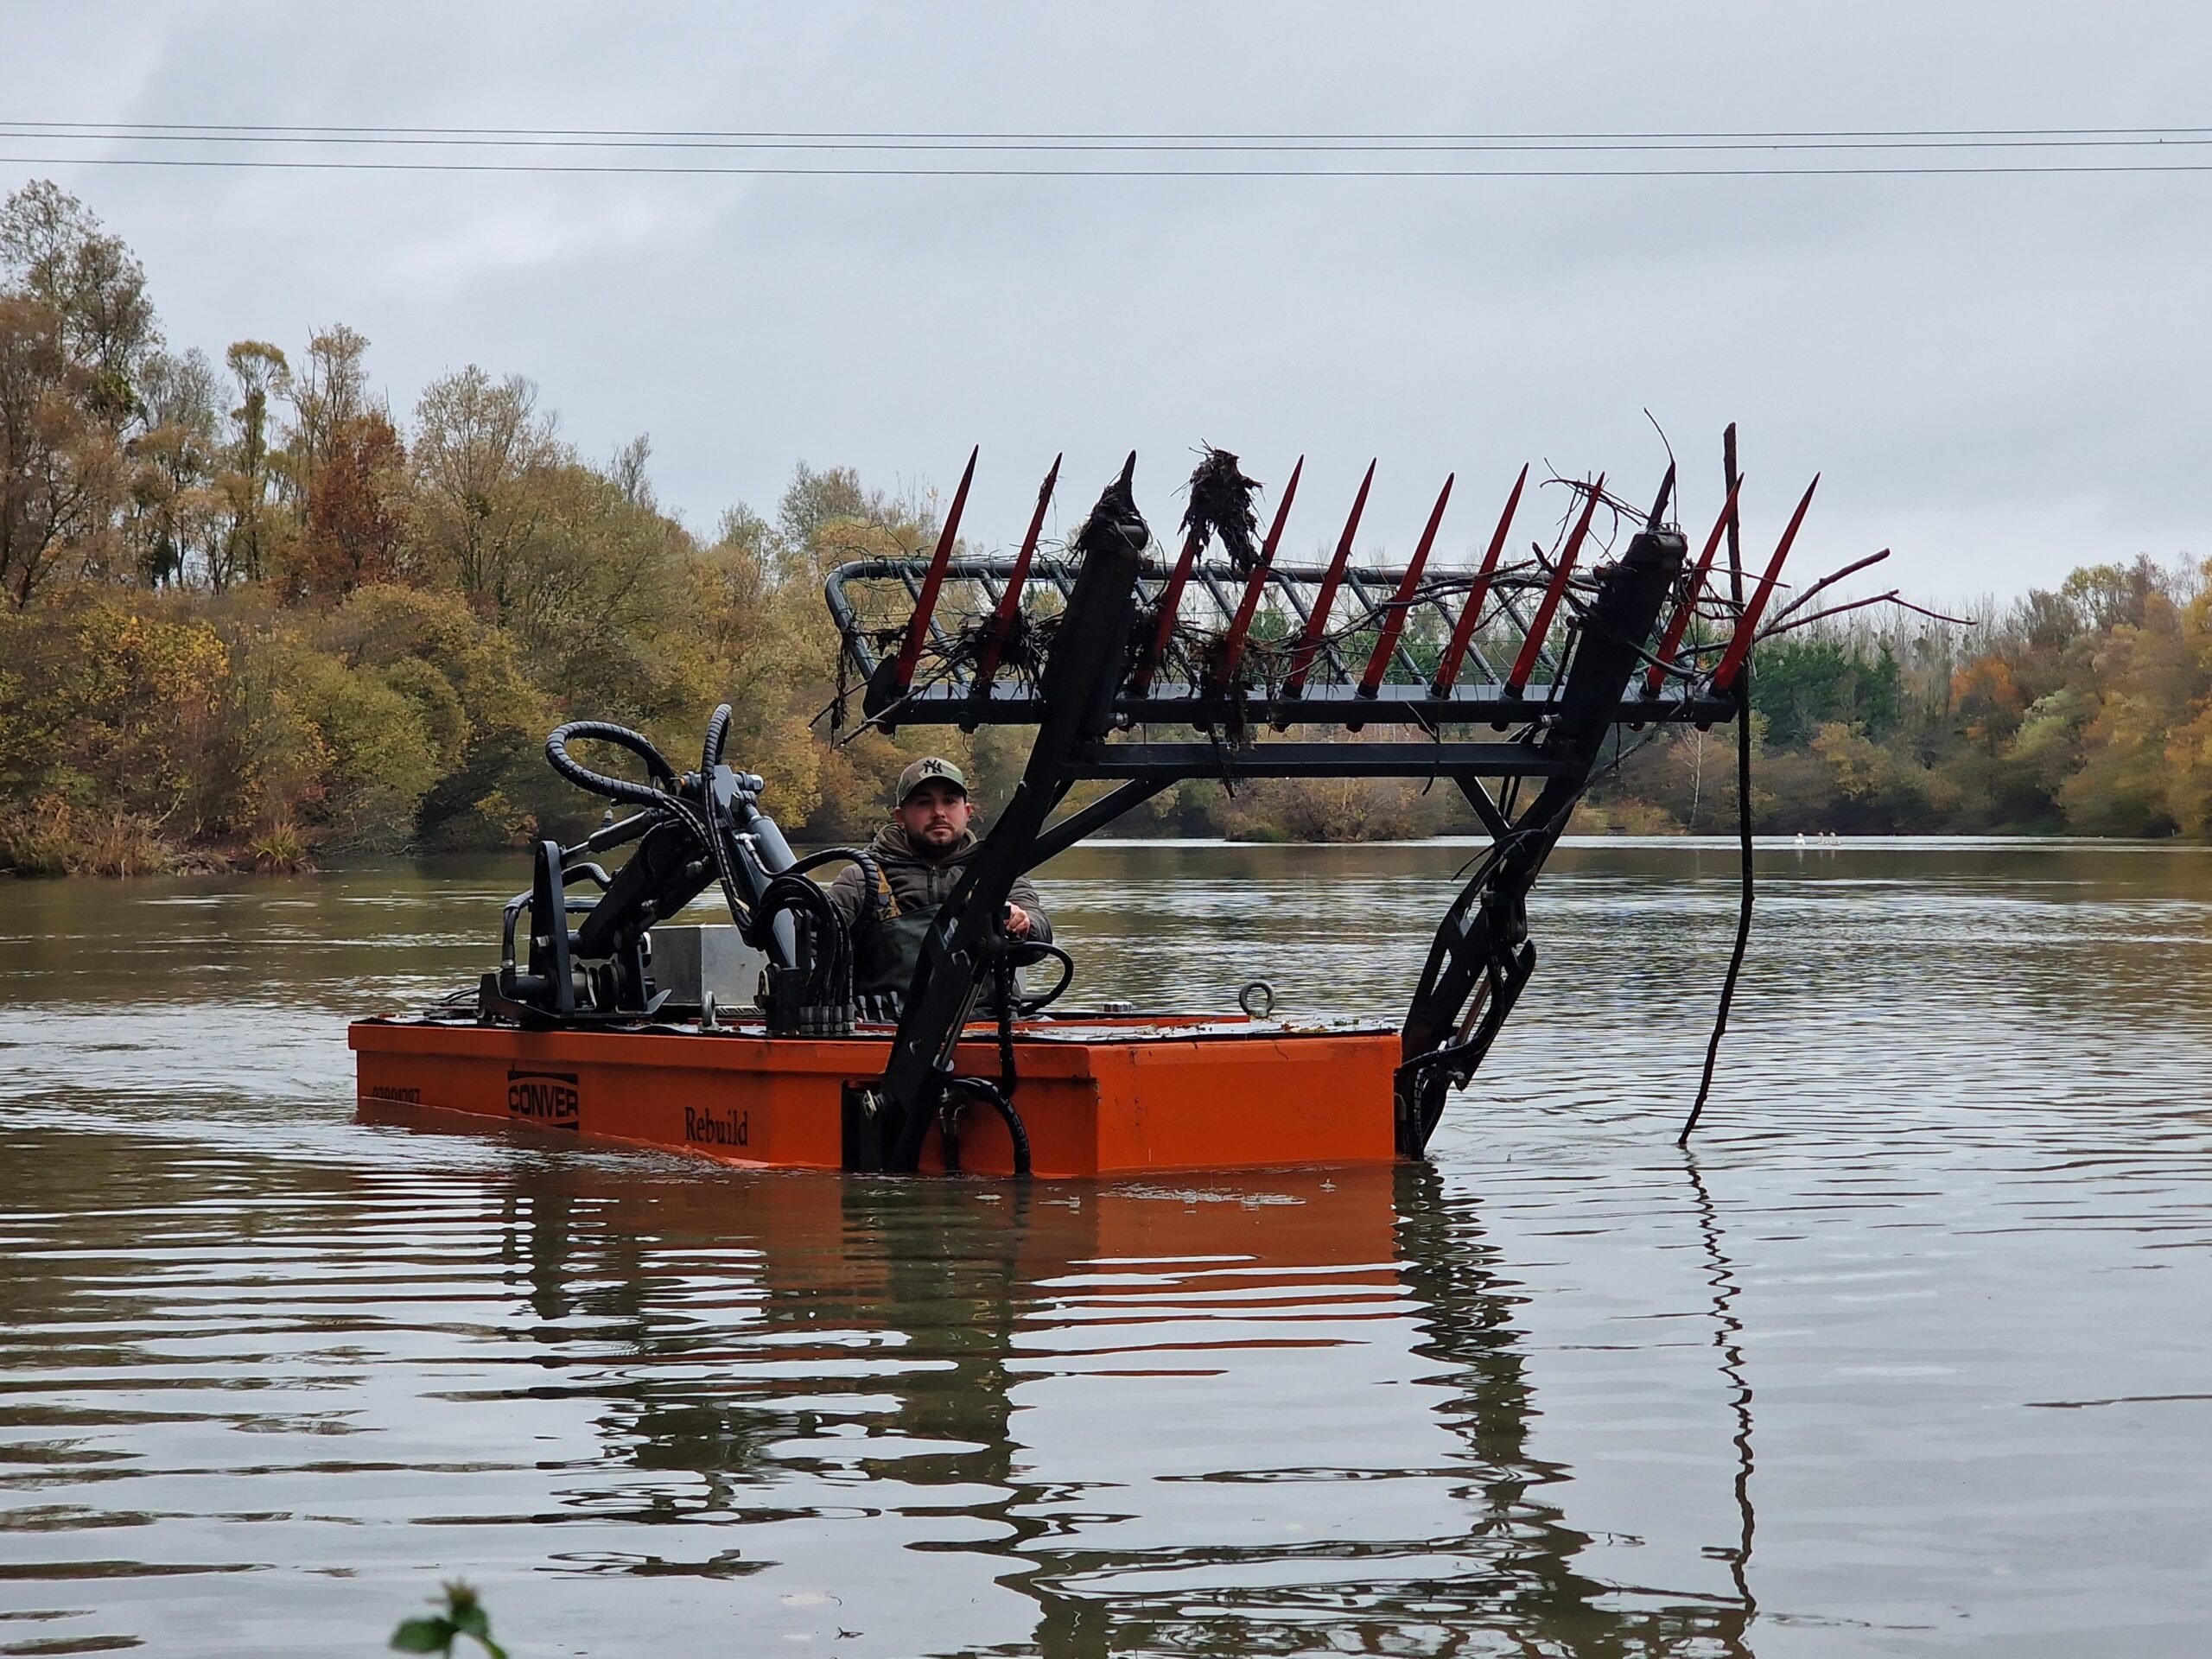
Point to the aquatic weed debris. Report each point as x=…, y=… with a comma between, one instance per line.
x=1221, y=507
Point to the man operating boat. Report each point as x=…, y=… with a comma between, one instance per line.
x=922, y=855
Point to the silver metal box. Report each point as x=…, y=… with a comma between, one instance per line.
x=689, y=960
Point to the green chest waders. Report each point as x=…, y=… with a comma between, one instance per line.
x=888, y=948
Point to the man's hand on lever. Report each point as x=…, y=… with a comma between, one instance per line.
x=1017, y=922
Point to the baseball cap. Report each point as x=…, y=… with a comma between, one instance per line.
x=930, y=768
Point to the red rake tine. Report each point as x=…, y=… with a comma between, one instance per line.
x=1233, y=647
x=1672, y=640
x=1317, y=624
x=1463, y=631
x=1009, y=607
x=918, y=629
x=1171, y=596
x=1740, y=646
x=1394, y=617
x=1517, y=681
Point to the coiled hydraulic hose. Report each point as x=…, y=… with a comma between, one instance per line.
x=1000, y=1094
x=1027, y=1005
x=614, y=789
x=694, y=802
x=830, y=976
x=1016, y=1130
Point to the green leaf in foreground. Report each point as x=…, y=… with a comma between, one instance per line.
x=464, y=1614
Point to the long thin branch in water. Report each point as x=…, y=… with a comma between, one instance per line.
x=1742, y=689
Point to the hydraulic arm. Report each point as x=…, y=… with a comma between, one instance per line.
x=692, y=831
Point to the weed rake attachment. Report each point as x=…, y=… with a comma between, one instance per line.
x=1228, y=661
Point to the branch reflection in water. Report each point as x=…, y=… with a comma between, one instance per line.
x=1728, y=1340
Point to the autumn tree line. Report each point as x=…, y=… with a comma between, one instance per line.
x=253, y=615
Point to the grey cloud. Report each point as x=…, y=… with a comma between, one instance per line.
x=2002, y=377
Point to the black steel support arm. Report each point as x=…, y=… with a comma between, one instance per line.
x=1089, y=658
x=1485, y=809
x=1091, y=819
x=1169, y=761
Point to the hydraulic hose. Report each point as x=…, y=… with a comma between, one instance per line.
x=776, y=897
x=1029, y=1005
x=718, y=846
x=1002, y=1097
x=722, y=825
x=769, y=893
x=1016, y=1131
x=829, y=855
x=614, y=789
x=787, y=891
x=710, y=752
x=793, y=890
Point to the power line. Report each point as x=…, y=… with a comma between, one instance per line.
x=272, y=163
x=955, y=154
x=1331, y=146
x=1199, y=140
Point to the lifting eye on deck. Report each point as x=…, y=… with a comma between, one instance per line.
x=1503, y=677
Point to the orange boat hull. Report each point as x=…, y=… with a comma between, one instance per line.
x=1107, y=1097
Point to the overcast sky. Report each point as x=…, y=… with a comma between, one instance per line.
x=2001, y=377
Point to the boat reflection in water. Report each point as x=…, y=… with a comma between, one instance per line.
x=1266, y=1414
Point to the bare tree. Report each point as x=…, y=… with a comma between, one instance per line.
x=330, y=390
x=628, y=471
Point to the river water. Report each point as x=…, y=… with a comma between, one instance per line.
x=1909, y=1355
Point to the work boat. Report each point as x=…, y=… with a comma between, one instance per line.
x=609, y=1018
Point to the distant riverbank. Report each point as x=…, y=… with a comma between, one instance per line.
x=216, y=869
